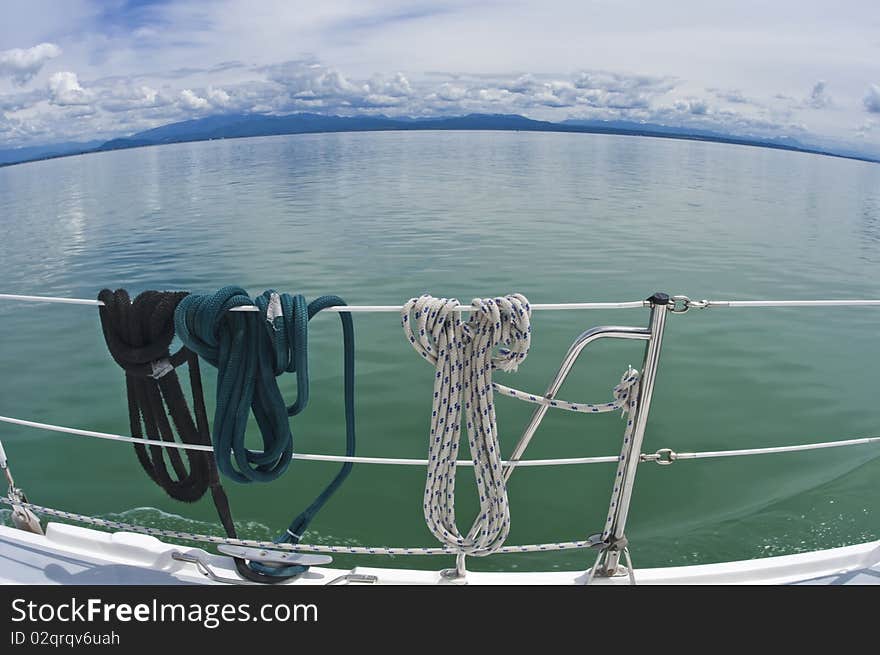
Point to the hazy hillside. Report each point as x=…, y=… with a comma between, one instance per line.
x=231, y=126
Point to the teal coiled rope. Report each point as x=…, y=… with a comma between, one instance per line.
x=250, y=350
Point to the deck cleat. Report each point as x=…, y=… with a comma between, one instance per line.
x=274, y=557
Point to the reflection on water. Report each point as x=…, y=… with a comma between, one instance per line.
x=870, y=227
x=380, y=217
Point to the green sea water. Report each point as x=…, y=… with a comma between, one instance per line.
x=380, y=217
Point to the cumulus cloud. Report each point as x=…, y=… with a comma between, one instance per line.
x=307, y=80
x=119, y=105
x=380, y=91
x=586, y=90
x=308, y=85
x=527, y=90
x=120, y=97
x=819, y=98
x=451, y=92
x=312, y=85
x=695, y=114
x=189, y=100
x=695, y=106
x=65, y=90
x=624, y=90
x=128, y=98
x=872, y=99
x=21, y=65
x=219, y=98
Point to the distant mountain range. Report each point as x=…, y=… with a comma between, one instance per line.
x=232, y=126
x=21, y=155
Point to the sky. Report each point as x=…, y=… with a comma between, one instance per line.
x=83, y=70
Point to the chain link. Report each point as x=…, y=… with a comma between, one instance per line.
x=663, y=457
x=682, y=304
x=679, y=304
x=299, y=547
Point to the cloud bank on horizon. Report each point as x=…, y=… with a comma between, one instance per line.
x=83, y=70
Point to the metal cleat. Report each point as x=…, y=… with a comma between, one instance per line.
x=274, y=557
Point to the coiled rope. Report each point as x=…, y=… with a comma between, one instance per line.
x=250, y=350
x=239, y=347
x=138, y=335
x=463, y=356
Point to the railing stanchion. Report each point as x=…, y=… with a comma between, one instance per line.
x=616, y=541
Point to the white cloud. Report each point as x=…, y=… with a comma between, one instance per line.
x=545, y=96
x=65, y=89
x=128, y=98
x=451, y=92
x=696, y=114
x=189, y=100
x=23, y=64
x=119, y=105
x=307, y=84
x=616, y=90
x=380, y=91
x=696, y=106
x=219, y=98
x=872, y=99
x=311, y=81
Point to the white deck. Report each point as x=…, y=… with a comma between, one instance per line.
x=70, y=554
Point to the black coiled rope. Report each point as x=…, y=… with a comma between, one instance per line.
x=138, y=335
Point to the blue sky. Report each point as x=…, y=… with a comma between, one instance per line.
x=84, y=70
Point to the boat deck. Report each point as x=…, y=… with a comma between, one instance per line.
x=70, y=554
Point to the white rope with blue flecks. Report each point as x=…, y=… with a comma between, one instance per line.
x=629, y=400
x=621, y=393
x=464, y=358
x=626, y=399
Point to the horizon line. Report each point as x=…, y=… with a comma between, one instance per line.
x=549, y=126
